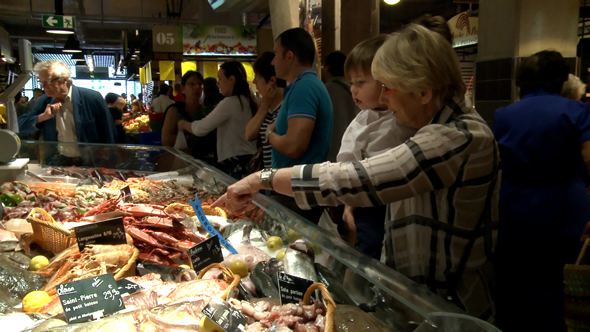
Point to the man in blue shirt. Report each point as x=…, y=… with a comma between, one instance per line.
x=304, y=124
x=306, y=113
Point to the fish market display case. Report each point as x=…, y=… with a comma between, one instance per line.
x=392, y=298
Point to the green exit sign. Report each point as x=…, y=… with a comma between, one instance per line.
x=59, y=21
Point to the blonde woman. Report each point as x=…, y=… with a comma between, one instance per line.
x=441, y=185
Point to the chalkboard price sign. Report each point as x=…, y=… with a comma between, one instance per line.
x=222, y=314
x=105, y=232
x=90, y=298
x=292, y=288
x=206, y=253
x=127, y=287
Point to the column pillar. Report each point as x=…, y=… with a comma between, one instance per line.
x=345, y=23
x=510, y=30
x=284, y=15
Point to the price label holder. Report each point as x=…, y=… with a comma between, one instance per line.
x=126, y=194
x=206, y=253
x=127, y=287
x=90, y=298
x=292, y=288
x=196, y=204
x=110, y=231
x=222, y=314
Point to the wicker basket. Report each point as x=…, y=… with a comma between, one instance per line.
x=328, y=302
x=49, y=234
x=232, y=279
x=129, y=269
x=209, y=211
x=577, y=294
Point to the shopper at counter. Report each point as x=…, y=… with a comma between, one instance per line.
x=116, y=104
x=67, y=113
x=36, y=94
x=161, y=103
x=544, y=140
x=442, y=184
x=230, y=118
x=271, y=89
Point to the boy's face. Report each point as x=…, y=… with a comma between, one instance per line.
x=365, y=91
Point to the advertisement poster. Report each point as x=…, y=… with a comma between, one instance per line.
x=219, y=40
x=464, y=30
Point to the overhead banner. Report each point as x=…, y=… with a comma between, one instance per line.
x=219, y=40
x=188, y=66
x=249, y=71
x=167, y=71
x=167, y=38
x=464, y=29
x=210, y=68
x=145, y=74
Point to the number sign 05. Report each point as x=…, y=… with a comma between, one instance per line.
x=167, y=38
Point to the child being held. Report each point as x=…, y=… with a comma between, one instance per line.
x=373, y=132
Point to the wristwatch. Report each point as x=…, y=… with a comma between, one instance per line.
x=267, y=135
x=266, y=176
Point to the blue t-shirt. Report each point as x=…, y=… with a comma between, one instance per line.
x=306, y=97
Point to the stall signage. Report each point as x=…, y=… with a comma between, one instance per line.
x=206, y=253
x=59, y=21
x=464, y=29
x=219, y=40
x=196, y=204
x=167, y=38
x=90, y=298
x=110, y=231
x=127, y=287
x=292, y=288
x=222, y=314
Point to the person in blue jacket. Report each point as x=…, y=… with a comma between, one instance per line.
x=67, y=113
x=544, y=140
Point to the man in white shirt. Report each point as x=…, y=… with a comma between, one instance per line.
x=67, y=113
x=161, y=103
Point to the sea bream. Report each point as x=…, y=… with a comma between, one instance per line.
x=246, y=252
x=299, y=259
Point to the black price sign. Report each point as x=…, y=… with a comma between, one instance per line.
x=206, y=253
x=292, y=288
x=127, y=287
x=105, y=232
x=126, y=193
x=90, y=298
x=229, y=319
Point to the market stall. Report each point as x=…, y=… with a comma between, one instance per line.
x=160, y=247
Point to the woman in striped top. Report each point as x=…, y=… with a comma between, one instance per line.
x=271, y=89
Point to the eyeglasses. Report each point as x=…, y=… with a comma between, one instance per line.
x=387, y=91
x=50, y=81
x=258, y=77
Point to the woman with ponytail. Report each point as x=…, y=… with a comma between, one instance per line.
x=230, y=118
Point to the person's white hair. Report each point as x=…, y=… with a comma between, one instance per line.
x=59, y=68
x=573, y=88
x=416, y=59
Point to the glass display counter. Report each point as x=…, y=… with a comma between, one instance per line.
x=395, y=300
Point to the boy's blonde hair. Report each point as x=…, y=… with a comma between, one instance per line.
x=361, y=56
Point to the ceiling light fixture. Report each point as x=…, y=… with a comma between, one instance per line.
x=78, y=57
x=391, y=2
x=72, y=45
x=90, y=63
x=61, y=31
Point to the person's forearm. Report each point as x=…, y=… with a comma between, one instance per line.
x=42, y=117
x=253, y=127
x=281, y=182
x=290, y=148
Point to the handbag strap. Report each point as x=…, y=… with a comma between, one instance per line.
x=582, y=252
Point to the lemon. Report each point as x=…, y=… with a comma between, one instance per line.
x=184, y=266
x=207, y=325
x=292, y=236
x=35, y=300
x=240, y=268
x=274, y=243
x=281, y=255
x=38, y=262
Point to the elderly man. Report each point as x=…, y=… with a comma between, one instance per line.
x=67, y=113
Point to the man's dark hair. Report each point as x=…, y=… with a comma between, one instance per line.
x=335, y=63
x=543, y=70
x=263, y=67
x=437, y=24
x=300, y=42
x=164, y=88
x=211, y=94
x=111, y=97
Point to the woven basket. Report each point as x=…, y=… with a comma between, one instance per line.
x=328, y=302
x=49, y=234
x=129, y=269
x=577, y=294
x=228, y=276
x=209, y=211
